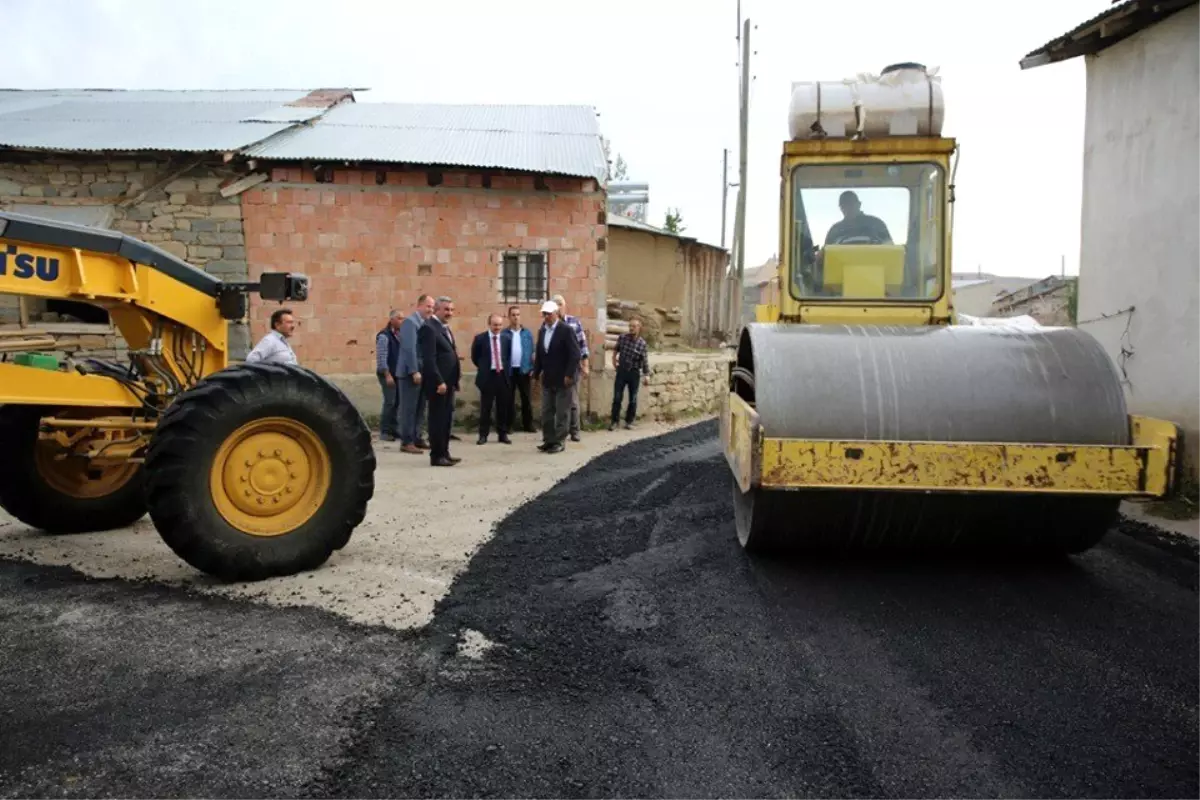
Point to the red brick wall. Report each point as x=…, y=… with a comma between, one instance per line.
x=361, y=243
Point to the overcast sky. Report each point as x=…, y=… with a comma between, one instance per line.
x=661, y=73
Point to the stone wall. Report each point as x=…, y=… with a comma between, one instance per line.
x=173, y=203
x=681, y=385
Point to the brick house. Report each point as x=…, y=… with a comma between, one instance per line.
x=376, y=202
x=492, y=205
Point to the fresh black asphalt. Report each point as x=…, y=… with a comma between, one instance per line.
x=638, y=653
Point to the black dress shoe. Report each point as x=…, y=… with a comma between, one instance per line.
x=442, y=462
x=505, y=440
x=482, y=440
x=454, y=460
x=454, y=437
x=574, y=437
x=557, y=447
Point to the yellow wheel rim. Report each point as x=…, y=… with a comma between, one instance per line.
x=78, y=477
x=270, y=476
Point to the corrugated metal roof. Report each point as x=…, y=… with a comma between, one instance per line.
x=563, y=140
x=958, y=283
x=188, y=121
x=1125, y=18
x=622, y=221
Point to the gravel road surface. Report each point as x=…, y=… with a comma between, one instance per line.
x=611, y=640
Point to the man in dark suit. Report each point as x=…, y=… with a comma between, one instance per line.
x=440, y=374
x=555, y=361
x=492, y=357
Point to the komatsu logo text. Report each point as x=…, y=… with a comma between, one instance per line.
x=26, y=265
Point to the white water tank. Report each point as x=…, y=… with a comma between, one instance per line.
x=904, y=100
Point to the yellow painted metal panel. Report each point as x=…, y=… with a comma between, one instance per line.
x=1162, y=456
x=766, y=312
x=740, y=435
x=835, y=314
x=21, y=385
x=958, y=466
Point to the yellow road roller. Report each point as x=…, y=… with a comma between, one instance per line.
x=862, y=414
x=248, y=471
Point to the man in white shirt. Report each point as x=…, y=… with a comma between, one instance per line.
x=274, y=348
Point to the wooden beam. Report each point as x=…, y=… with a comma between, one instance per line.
x=242, y=184
x=140, y=196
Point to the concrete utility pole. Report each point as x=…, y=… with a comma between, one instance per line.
x=739, y=236
x=724, y=192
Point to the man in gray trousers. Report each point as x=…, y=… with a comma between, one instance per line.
x=408, y=375
x=556, y=363
x=582, y=370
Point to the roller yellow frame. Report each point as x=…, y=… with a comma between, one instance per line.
x=1147, y=468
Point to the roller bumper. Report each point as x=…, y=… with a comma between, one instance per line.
x=1146, y=468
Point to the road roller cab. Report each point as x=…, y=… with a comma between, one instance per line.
x=860, y=413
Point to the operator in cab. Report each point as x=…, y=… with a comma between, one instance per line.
x=855, y=227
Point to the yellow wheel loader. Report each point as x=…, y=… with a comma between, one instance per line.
x=248, y=471
x=862, y=413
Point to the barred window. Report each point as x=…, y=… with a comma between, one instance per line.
x=523, y=277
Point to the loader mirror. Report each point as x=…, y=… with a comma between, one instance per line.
x=281, y=286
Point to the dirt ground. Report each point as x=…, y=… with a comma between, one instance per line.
x=422, y=527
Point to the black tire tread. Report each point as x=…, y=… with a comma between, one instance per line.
x=189, y=423
x=28, y=498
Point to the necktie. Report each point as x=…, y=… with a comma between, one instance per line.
x=496, y=353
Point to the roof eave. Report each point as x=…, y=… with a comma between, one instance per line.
x=1104, y=30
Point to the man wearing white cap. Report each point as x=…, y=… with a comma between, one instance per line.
x=581, y=338
x=556, y=362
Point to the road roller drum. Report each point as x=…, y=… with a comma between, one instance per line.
x=954, y=383
x=908, y=384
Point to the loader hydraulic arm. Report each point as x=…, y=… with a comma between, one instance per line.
x=172, y=315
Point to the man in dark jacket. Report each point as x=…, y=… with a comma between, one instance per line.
x=492, y=357
x=408, y=377
x=556, y=362
x=440, y=377
x=387, y=360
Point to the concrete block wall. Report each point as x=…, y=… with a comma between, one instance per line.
x=373, y=240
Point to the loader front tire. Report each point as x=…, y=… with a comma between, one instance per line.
x=259, y=471
x=62, y=496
